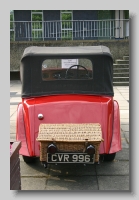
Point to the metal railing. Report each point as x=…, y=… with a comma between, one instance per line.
x=69, y=30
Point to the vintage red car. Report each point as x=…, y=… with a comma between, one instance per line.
x=67, y=113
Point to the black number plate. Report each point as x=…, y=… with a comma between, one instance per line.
x=70, y=158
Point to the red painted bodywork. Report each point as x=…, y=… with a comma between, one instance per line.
x=68, y=109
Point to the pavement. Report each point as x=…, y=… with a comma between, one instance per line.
x=108, y=176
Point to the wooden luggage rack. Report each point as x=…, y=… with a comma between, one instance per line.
x=69, y=137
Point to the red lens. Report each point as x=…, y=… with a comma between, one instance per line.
x=90, y=149
x=52, y=149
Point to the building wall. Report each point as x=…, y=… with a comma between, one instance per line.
x=86, y=30
x=20, y=31
x=118, y=48
x=22, y=15
x=85, y=15
x=23, y=29
x=50, y=15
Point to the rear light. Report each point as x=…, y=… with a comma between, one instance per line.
x=90, y=149
x=52, y=149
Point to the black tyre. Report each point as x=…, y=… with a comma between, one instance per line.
x=28, y=159
x=109, y=157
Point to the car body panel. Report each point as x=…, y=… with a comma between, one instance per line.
x=21, y=131
x=70, y=109
x=116, y=138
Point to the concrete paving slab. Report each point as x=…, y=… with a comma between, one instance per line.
x=72, y=169
x=122, y=155
x=123, y=107
x=113, y=168
x=12, y=137
x=74, y=183
x=33, y=170
x=126, y=135
x=12, y=128
x=31, y=183
x=113, y=183
x=124, y=112
x=124, y=93
x=123, y=89
x=12, y=111
x=125, y=127
x=12, y=122
x=13, y=116
x=124, y=120
x=118, y=95
x=13, y=107
x=124, y=115
x=123, y=103
x=124, y=143
x=119, y=98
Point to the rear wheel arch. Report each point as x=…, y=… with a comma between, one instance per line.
x=20, y=131
x=116, y=136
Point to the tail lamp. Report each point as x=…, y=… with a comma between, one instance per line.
x=90, y=149
x=52, y=149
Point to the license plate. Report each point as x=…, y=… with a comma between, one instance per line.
x=70, y=158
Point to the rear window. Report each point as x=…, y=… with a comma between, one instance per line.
x=80, y=68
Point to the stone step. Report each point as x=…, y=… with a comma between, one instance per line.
x=121, y=70
x=125, y=74
x=120, y=83
x=125, y=57
x=120, y=65
x=120, y=79
x=118, y=61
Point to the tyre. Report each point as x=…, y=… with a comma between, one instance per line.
x=109, y=157
x=28, y=159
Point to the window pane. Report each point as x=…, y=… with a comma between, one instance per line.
x=36, y=17
x=36, y=25
x=66, y=34
x=66, y=16
x=53, y=69
x=11, y=25
x=11, y=35
x=37, y=34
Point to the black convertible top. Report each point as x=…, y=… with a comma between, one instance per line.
x=66, y=51
x=31, y=71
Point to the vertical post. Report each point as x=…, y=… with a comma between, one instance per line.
x=83, y=30
x=102, y=28
x=56, y=30
x=14, y=30
x=29, y=34
x=91, y=29
x=72, y=29
x=110, y=29
x=99, y=29
x=43, y=29
x=105, y=28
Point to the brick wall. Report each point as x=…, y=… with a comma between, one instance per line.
x=118, y=48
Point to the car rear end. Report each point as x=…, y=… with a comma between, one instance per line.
x=69, y=89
